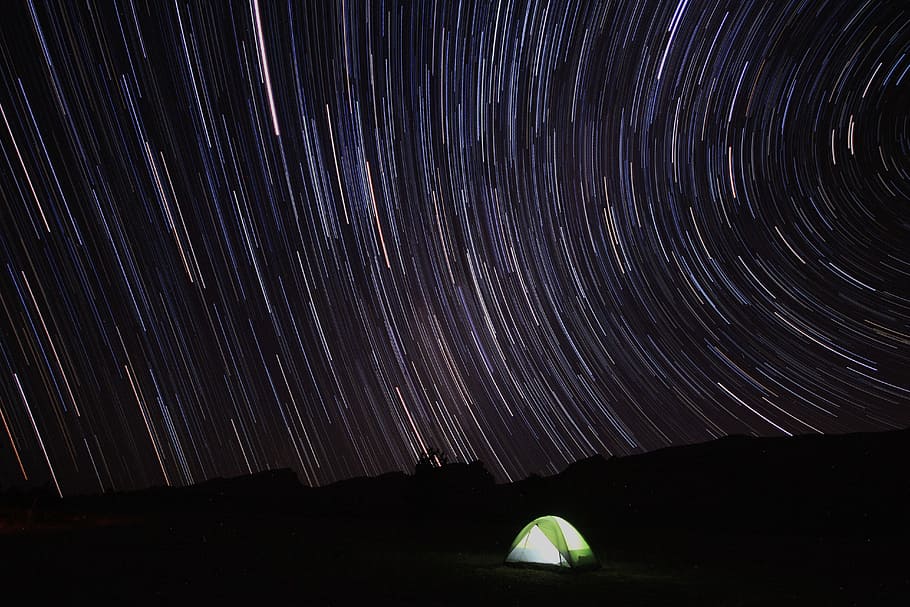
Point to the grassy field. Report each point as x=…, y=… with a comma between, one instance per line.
x=334, y=561
x=735, y=522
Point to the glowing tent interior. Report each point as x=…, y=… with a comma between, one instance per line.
x=551, y=541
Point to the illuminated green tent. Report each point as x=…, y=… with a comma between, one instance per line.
x=551, y=541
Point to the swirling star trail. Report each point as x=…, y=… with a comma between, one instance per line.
x=248, y=235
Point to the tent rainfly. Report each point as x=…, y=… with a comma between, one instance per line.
x=552, y=542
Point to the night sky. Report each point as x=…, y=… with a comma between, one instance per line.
x=250, y=235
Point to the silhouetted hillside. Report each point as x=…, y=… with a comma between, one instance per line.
x=737, y=521
x=852, y=483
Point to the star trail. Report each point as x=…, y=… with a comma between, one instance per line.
x=246, y=235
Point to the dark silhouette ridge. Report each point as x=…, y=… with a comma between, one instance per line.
x=851, y=483
x=745, y=521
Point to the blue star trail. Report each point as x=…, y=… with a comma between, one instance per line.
x=329, y=236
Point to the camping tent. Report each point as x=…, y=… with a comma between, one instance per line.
x=551, y=541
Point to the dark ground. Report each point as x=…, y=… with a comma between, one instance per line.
x=803, y=521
